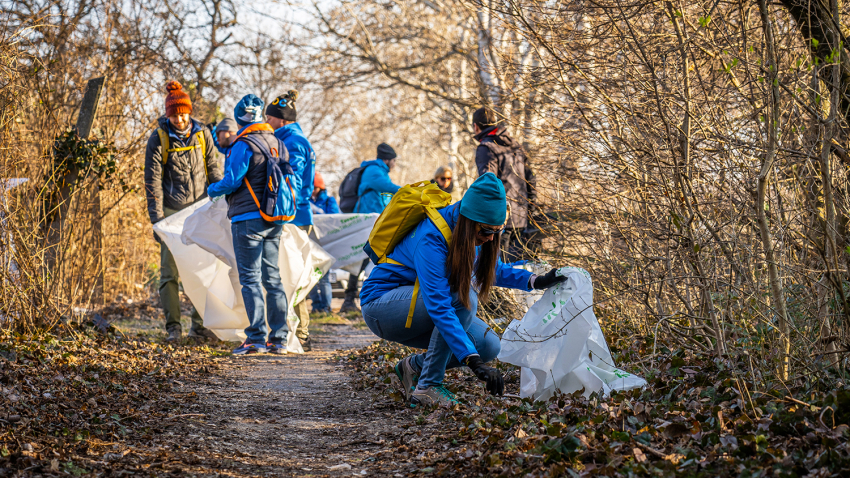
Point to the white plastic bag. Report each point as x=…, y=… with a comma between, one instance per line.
x=343, y=237
x=200, y=240
x=560, y=346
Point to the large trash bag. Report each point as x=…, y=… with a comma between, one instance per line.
x=343, y=237
x=560, y=346
x=199, y=237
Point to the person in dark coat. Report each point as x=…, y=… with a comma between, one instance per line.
x=499, y=154
x=175, y=178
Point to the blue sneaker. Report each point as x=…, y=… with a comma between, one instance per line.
x=277, y=349
x=248, y=348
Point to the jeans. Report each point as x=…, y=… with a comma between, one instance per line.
x=169, y=289
x=321, y=295
x=257, y=246
x=386, y=318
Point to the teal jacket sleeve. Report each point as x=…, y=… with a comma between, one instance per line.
x=429, y=262
x=377, y=180
x=299, y=156
x=235, y=168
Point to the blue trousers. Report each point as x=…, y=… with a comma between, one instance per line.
x=386, y=318
x=257, y=246
x=321, y=295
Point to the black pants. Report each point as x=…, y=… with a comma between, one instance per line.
x=512, y=245
x=353, y=279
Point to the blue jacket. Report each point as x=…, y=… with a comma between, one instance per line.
x=241, y=160
x=326, y=203
x=302, y=158
x=426, y=249
x=375, y=189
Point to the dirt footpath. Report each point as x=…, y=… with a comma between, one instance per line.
x=290, y=415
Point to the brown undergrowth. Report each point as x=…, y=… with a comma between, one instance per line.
x=698, y=417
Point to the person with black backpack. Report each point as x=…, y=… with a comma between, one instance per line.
x=256, y=235
x=374, y=191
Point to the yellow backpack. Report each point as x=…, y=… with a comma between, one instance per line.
x=408, y=207
x=165, y=143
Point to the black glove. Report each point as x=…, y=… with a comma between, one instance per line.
x=492, y=378
x=546, y=281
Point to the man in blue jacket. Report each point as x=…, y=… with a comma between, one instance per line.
x=281, y=115
x=255, y=241
x=376, y=188
x=375, y=191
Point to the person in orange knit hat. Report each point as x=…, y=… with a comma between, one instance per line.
x=179, y=165
x=322, y=203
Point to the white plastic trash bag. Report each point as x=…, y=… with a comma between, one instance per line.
x=200, y=240
x=343, y=237
x=560, y=346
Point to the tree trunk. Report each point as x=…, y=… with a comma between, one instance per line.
x=771, y=124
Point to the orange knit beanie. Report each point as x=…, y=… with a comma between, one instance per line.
x=177, y=102
x=319, y=181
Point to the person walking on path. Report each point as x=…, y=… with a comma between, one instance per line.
x=498, y=153
x=322, y=293
x=281, y=114
x=452, y=277
x=179, y=164
x=256, y=242
x=374, y=193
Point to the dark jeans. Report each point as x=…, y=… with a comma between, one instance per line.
x=321, y=295
x=257, y=246
x=169, y=289
x=353, y=279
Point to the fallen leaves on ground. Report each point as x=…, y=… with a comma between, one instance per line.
x=698, y=417
x=70, y=403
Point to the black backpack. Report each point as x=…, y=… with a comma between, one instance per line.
x=348, y=190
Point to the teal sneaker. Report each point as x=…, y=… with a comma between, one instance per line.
x=407, y=375
x=437, y=395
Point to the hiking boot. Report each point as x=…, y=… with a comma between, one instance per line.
x=277, y=349
x=174, y=334
x=248, y=348
x=348, y=305
x=436, y=395
x=203, y=335
x=407, y=375
x=306, y=344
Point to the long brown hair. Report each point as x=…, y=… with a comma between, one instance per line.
x=461, y=262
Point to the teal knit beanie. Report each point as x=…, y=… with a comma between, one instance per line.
x=484, y=201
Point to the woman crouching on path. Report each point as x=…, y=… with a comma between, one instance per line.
x=452, y=277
